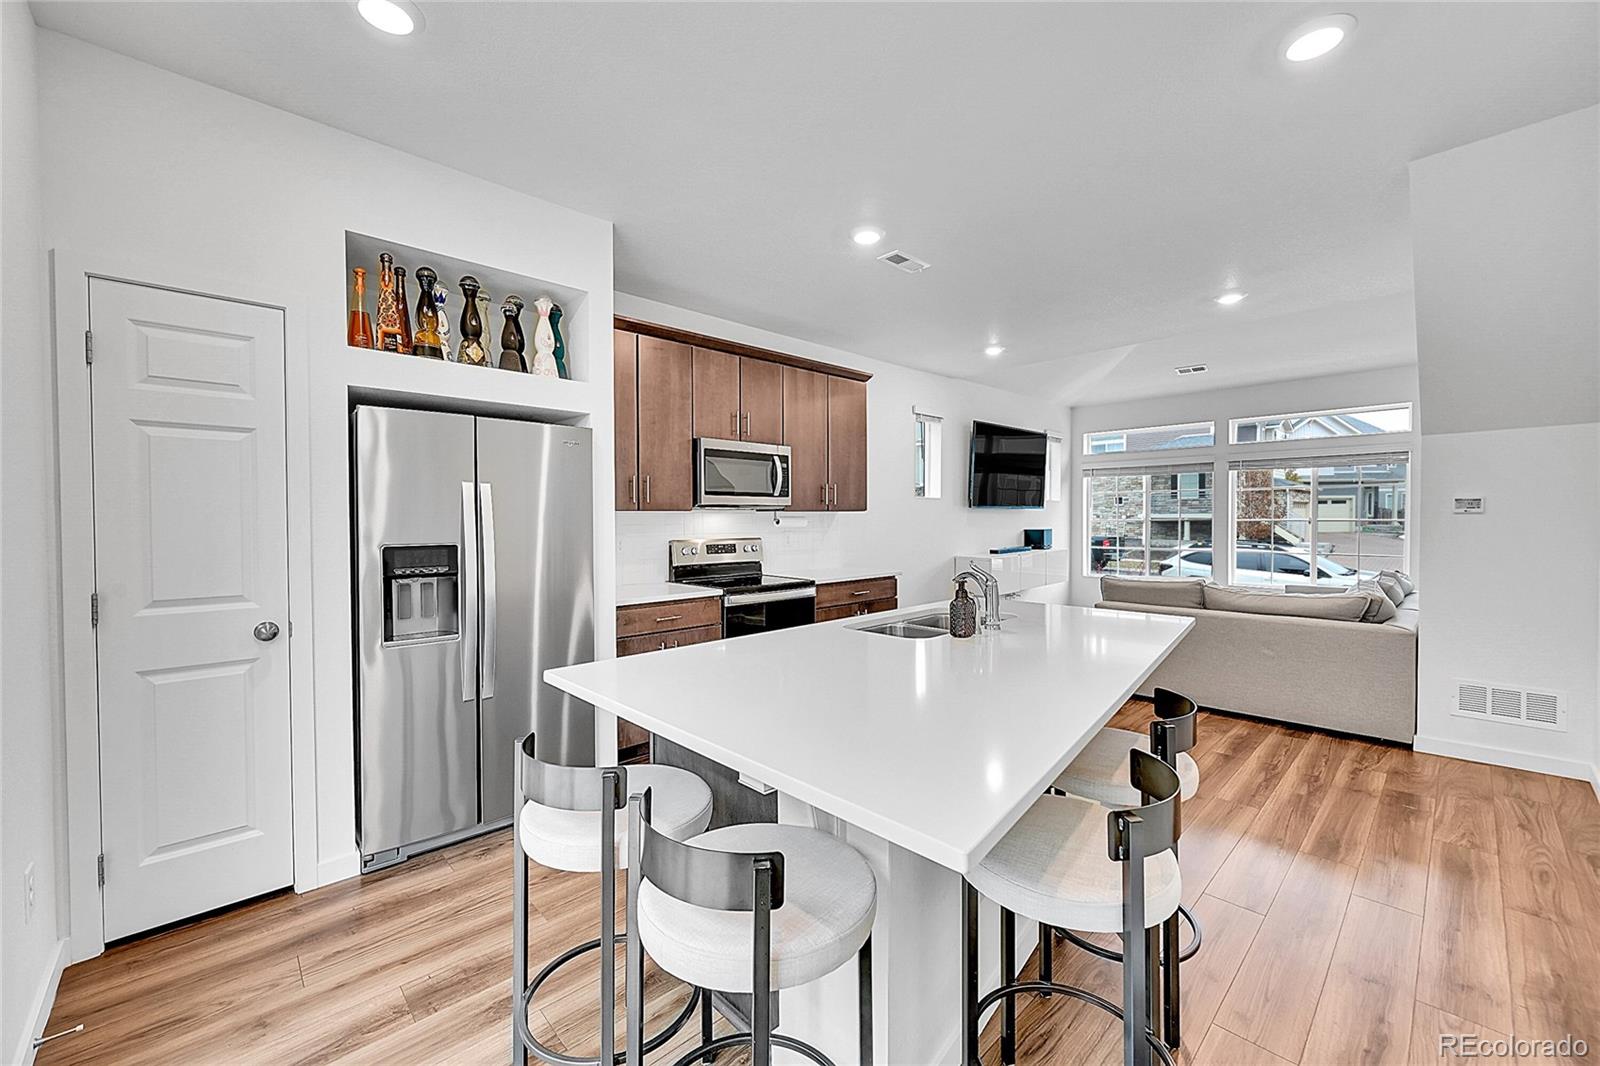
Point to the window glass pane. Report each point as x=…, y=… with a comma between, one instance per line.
x=1324, y=425
x=1332, y=524
x=1152, y=439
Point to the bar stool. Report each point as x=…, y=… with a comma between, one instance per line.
x=747, y=909
x=1055, y=867
x=1100, y=773
x=567, y=820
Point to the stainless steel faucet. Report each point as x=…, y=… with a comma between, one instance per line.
x=991, y=594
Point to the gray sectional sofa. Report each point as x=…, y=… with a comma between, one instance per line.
x=1303, y=659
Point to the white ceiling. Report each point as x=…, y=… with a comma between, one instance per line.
x=1084, y=177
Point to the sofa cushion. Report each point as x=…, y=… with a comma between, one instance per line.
x=1155, y=591
x=1383, y=604
x=1407, y=586
x=1346, y=608
x=1391, y=587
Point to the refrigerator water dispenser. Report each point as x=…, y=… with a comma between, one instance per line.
x=420, y=593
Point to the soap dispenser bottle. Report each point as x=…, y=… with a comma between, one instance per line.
x=963, y=611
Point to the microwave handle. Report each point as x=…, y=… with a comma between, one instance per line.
x=777, y=475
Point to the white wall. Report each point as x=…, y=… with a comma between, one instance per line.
x=1394, y=385
x=917, y=537
x=29, y=619
x=169, y=178
x=1507, y=261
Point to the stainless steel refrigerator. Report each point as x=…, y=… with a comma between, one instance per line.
x=474, y=573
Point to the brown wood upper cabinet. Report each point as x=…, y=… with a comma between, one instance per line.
x=737, y=398
x=847, y=444
x=625, y=381
x=825, y=427
x=666, y=427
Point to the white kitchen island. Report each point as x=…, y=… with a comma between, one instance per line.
x=921, y=753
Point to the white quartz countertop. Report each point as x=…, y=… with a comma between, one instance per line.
x=828, y=575
x=938, y=745
x=660, y=592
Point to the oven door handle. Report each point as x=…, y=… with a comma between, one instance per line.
x=742, y=599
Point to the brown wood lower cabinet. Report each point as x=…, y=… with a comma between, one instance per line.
x=851, y=599
x=649, y=627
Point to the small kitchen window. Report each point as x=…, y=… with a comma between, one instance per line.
x=1055, y=452
x=929, y=461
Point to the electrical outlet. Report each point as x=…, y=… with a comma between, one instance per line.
x=27, y=894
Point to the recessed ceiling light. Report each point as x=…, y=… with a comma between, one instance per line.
x=867, y=236
x=1318, y=37
x=1228, y=299
x=398, y=17
x=994, y=350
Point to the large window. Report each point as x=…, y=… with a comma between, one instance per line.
x=1323, y=425
x=1330, y=520
x=1148, y=520
x=1152, y=439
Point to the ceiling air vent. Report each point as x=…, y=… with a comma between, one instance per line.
x=1185, y=371
x=1504, y=703
x=901, y=261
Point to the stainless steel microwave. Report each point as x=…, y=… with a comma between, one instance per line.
x=740, y=473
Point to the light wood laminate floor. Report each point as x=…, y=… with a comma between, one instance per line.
x=1358, y=901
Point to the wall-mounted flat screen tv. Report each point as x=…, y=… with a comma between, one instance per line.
x=1007, y=467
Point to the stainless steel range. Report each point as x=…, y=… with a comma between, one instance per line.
x=752, y=601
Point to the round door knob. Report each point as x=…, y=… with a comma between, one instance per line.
x=266, y=631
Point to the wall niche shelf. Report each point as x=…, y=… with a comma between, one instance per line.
x=362, y=250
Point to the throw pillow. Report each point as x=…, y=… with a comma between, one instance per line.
x=1391, y=587
x=1382, y=606
x=1155, y=591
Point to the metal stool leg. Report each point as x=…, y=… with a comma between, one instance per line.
x=864, y=999
x=1008, y=974
x=519, y=948
x=1171, y=999
x=705, y=1024
x=1047, y=955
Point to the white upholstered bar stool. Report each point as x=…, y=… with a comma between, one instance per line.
x=567, y=819
x=1100, y=773
x=1071, y=862
x=747, y=909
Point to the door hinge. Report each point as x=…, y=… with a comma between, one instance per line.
x=94, y=609
x=100, y=869
x=88, y=346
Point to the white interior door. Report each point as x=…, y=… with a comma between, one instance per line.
x=191, y=571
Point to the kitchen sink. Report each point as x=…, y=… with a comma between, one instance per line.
x=921, y=627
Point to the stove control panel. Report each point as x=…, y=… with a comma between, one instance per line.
x=714, y=550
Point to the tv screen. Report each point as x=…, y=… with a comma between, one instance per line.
x=1007, y=468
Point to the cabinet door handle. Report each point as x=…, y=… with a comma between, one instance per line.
x=747, y=423
x=633, y=488
x=734, y=415
x=860, y=592
x=663, y=646
x=670, y=618
x=647, y=488
x=824, y=495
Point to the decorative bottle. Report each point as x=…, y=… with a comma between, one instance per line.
x=470, y=349
x=963, y=611
x=389, y=331
x=403, y=306
x=359, y=334
x=440, y=296
x=427, y=342
x=561, y=344
x=484, y=316
x=544, y=341
x=512, y=341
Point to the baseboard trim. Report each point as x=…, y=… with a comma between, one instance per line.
x=338, y=868
x=1517, y=760
x=39, y=1011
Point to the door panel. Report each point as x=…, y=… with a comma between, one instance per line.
x=805, y=431
x=666, y=425
x=538, y=521
x=625, y=380
x=761, y=400
x=847, y=443
x=716, y=395
x=417, y=731
x=191, y=552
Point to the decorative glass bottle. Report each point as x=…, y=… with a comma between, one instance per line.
x=359, y=334
x=544, y=341
x=389, y=331
x=470, y=349
x=963, y=611
x=487, y=319
x=440, y=298
x=404, y=308
x=427, y=342
x=512, y=341
x=561, y=344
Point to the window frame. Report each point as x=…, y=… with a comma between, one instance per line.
x=1209, y=425
x=927, y=459
x=1146, y=471
x=1234, y=425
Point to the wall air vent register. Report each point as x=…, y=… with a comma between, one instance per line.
x=1540, y=708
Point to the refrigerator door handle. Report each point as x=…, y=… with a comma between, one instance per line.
x=486, y=492
x=469, y=592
